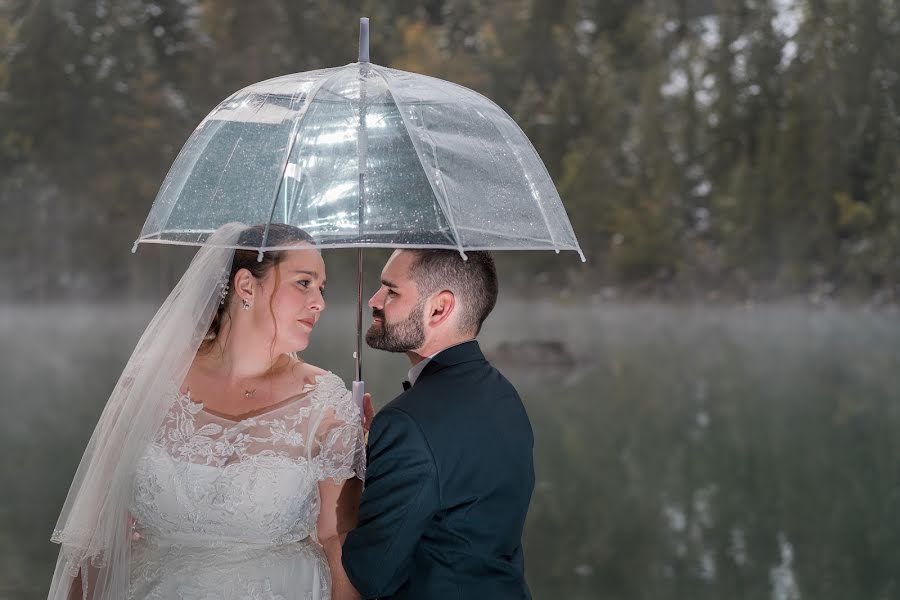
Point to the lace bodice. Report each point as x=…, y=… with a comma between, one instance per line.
x=251, y=480
x=226, y=509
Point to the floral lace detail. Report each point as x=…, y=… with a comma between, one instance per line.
x=334, y=443
x=243, y=494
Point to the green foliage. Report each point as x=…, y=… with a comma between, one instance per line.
x=744, y=145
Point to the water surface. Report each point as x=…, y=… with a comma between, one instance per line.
x=685, y=453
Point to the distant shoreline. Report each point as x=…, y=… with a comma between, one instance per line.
x=561, y=301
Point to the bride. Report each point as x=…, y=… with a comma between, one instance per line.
x=223, y=466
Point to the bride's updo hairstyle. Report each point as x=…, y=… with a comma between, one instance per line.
x=279, y=235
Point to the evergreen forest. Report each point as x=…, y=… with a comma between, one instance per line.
x=735, y=149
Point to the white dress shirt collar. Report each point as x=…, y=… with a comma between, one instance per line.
x=417, y=369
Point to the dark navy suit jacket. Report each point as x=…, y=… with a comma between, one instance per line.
x=449, y=478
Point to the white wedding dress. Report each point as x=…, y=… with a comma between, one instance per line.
x=227, y=509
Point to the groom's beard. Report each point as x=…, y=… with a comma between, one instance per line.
x=402, y=336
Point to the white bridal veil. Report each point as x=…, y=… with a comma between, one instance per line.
x=93, y=527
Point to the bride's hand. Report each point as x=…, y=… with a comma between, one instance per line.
x=368, y=412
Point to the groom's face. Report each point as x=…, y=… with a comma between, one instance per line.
x=397, y=320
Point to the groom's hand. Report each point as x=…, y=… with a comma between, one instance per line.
x=368, y=412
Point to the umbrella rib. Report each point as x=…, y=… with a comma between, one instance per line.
x=466, y=90
x=188, y=147
x=530, y=183
x=441, y=199
x=287, y=157
x=225, y=168
x=528, y=178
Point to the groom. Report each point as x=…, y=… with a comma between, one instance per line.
x=450, y=470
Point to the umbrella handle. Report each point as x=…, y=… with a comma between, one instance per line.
x=359, y=390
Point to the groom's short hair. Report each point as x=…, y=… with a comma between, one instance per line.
x=473, y=280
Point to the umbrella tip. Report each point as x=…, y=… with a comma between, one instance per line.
x=134, y=248
x=364, y=39
x=259, y=257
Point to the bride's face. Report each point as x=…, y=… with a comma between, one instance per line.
x=292, y=300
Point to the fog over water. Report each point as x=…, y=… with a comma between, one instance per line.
x=681, y=452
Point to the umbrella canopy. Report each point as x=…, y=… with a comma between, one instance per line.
x=363, y=155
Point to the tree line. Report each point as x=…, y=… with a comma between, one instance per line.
x=742, y=148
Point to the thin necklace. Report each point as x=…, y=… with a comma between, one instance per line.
x=251, y=393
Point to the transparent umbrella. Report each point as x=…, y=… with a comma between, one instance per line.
x=363, y=156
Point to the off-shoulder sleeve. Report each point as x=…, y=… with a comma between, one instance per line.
x=338, y=448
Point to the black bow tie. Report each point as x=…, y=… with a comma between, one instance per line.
x=406, y=385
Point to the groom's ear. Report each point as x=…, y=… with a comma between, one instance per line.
x=440, y=308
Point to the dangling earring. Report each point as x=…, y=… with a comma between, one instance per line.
x=245, y=305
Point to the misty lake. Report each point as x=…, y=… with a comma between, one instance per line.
x=680, y=452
